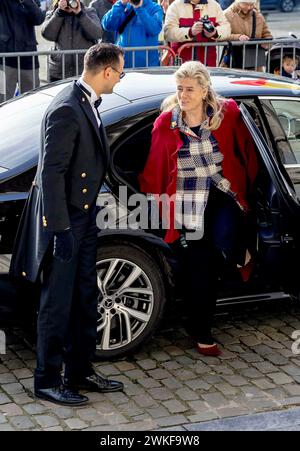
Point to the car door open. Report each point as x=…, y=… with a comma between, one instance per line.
x=277, y=212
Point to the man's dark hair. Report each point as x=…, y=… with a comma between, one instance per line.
x=101, y=55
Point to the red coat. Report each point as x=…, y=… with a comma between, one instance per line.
x=239, y=163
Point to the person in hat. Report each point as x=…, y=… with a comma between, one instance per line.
x=247, y=23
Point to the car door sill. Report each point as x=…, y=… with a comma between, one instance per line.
x=263, y=297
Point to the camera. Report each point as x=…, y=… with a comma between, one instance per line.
x=208, y=26
x=135, y=2
x=73, y=3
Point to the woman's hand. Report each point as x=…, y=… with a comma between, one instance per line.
x=244, y=37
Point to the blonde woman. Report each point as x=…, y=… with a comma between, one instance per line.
x=203, y=160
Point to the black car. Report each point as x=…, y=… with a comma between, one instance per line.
x=138, y=274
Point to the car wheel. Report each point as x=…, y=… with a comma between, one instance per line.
x=131, y=301
x=287, y=6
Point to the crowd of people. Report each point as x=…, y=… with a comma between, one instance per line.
x=77, y=25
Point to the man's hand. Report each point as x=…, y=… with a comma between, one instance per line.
x=63, y=5
x=197, y=28
x=124, y=2
x=78, y=9
x=63, y=248
x=209, y=35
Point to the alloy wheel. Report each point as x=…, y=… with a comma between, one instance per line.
x=125, y=303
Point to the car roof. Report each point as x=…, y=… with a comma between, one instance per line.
x=135, y=88
x=227, y=82
x=142, y=83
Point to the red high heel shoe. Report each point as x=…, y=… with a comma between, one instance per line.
x=213, y=350
x=247, y=270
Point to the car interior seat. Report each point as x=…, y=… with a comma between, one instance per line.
x=130, y=157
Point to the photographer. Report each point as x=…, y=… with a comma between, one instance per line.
x=70, y=27
x=198, y=21
x=138, y=24
x=101, y=7
x=17, y=21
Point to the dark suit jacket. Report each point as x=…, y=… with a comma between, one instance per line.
x=72, y=165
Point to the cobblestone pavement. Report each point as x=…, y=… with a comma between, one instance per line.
x=168, y=384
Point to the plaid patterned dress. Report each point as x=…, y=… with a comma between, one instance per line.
x=199, y=165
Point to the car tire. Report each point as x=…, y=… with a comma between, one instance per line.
x=151, y=278
x=287, y=6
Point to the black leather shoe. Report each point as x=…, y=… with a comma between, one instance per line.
x=61, y=395
x=94, y=382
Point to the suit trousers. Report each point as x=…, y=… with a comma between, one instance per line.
x=67, y=319
x=202, y=261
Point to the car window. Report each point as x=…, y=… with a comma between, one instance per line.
x=283, y=123
x=288, y=113
x=130, y=155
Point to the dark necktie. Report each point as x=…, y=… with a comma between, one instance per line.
x=96, y=104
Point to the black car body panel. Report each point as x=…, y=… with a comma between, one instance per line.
x=128, y=115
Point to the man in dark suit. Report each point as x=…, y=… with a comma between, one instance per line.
x=58, y=233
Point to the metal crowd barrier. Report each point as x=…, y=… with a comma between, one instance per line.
x=167, y=57
x=44, y=61
x=279, y=47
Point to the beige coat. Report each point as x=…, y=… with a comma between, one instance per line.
x=241, y=24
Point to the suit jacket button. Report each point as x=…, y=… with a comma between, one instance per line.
x=86, y=207
x=24, y=274
x=84, y=190
x=83, y=175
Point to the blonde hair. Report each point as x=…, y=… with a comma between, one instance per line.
x=197, y=71
x=295, y=58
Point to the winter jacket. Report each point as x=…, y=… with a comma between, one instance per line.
x=142, y=30
x=239, y=164
x=242, y=24
x=17, y=34
x=181, y=16
x=70, y=32
x=101, y=7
